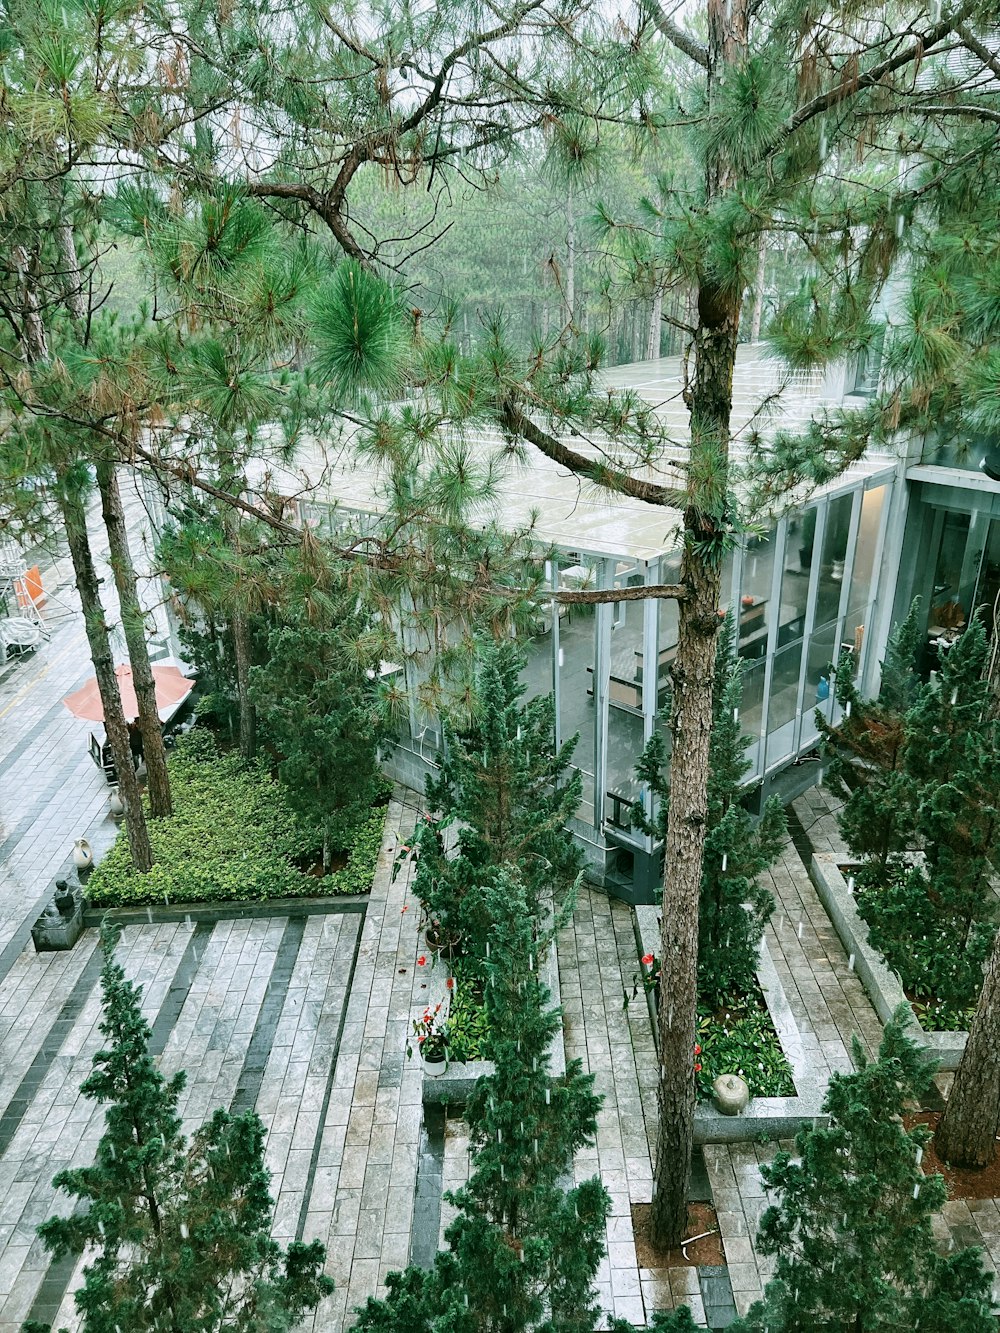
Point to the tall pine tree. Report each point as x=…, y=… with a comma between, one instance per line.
x=178, y=1233
x=734, y=905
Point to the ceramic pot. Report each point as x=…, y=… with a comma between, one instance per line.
x=115, y=804
x=434, y=1068
x=83, y=856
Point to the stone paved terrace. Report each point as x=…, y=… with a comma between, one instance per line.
x=305, y=1018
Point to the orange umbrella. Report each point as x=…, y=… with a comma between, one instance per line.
x=171, y=689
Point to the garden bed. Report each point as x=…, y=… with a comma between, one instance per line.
x=882, y=984
x=232, y=839
x=768, y=1117
x=454, y=1086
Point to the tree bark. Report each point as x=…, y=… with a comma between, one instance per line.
x=570, y=252
x=133, y=623
x=240, y=628
x=32, y=335
x=88, y=585
x=705, y=521
x=655, y=324
x=966, y=1135
x=758, y=306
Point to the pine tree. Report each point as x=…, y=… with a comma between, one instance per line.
x=510, y=795
x=525, y=1246
x=177, y=1233
x=851, y=1230
x=734, y=905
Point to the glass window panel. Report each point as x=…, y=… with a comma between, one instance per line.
x=872, y=505
x=625, y=684
x=946, y=605
x=755, y=595
x=834, y=554
x=577, y=639
x=781, y=705
x=819, y=665
x=794, y=594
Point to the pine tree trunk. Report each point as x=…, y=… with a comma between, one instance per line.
x=570, y=253
x=33, y=341
x=133, y=623
x=655, y=324
x=718, y=317
x=240, y=627
x=758, y=305
x=88, y=586
x=967, y=1133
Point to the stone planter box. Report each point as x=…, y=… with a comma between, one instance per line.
x=456, y=1083
x=881, y=983
x=764, y=1117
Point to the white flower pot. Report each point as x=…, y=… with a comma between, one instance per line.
x=434, y=1068
x=116, y=804
x=83, y=856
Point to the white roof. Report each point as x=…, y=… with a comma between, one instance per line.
x=576, y=515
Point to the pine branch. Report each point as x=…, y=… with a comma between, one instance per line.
x=676, y=592
x=972, y=42
x=683, y=41
x=851, y=84
x=519, y=423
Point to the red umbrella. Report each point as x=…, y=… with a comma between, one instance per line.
x=171, y=689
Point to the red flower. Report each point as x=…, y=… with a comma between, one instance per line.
x=450, y=983
x=421, y=960
x=404, y=909
x=648, y=958
x=697, y=1049
x=697, y=1069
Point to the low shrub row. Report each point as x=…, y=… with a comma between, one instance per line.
x=232, y=838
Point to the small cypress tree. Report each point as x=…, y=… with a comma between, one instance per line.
x=866, y=752
x=734, y=906
x=180, y=1232
x=525, y=1246
x=510, y=794
x=318, y=707
x=852, y=1228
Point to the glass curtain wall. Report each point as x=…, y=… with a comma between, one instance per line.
x=626, y=733
x=576, y=658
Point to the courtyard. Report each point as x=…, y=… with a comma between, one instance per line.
x=304, y=1018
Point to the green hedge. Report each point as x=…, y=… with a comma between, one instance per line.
x=232, y=837
x=742, y=1042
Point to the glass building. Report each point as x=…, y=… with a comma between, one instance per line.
x=809, y=586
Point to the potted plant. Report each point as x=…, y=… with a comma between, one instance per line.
x=430, y=1032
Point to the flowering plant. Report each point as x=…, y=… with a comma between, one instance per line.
x=431, y=1033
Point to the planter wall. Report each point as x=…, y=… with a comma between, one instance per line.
x=881, y=983
x=764, y=1117
x=456, y=1083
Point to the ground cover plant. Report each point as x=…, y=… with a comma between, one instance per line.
x=232, y=837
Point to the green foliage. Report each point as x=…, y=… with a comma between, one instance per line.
x=232, y=837
x=734, y=906
x=742, y=1041
x=937, y=953
x=177, y=1232
x=317, y=700
x=851, y=1231
x=509, y=795
x=468, y=1024
x=361, y=336
x=524, y=1249
x=920, y=770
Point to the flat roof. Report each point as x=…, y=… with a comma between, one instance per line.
x=570, y=513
